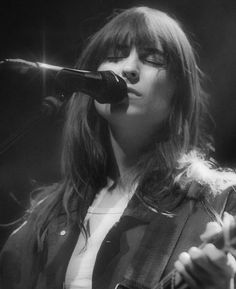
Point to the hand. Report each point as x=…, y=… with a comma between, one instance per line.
x=206, y=268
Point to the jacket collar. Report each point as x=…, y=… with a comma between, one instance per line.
x=157, y=245
x=139, y=210
x=141, y=243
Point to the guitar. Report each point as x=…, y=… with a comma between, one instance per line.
x=224, y=240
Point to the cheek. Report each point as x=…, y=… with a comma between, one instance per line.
x=159, y=99
x=160, y=92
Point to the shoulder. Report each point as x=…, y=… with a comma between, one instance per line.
x=203, y=178
x=26, y=230
x=21, y=251
x=198, y=171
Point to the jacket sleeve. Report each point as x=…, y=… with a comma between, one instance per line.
x=18, y=258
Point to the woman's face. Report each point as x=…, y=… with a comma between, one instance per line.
x=150, y=87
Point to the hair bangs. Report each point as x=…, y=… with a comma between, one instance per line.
x=128, y=30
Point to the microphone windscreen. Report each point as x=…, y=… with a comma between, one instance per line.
x=115, y=88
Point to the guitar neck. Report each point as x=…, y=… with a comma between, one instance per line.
x=172, y=281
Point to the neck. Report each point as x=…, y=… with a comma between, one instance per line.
x=128, y=145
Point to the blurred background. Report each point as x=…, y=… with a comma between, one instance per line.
x=54, y=32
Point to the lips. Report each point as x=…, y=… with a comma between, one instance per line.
x=133, y=91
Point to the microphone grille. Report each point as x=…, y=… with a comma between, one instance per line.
x=115, y=88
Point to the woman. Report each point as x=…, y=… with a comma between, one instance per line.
x=134, y=195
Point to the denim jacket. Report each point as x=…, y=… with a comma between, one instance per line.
x=136, y=253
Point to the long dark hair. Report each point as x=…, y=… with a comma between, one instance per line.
x=87, y=159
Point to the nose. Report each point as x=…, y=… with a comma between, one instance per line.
x=130, y=69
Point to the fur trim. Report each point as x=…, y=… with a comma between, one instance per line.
x=195, y=168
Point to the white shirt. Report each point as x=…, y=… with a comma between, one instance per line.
x=105, y=211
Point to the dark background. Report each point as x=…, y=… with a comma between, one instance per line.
x=54, y=32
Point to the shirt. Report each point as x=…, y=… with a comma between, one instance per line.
x=105, y=211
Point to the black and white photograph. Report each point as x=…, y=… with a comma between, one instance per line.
x=118, y=144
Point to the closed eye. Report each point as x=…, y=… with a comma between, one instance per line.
x=155, y=60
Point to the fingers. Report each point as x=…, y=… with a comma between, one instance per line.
x=184, y=266
x=231, y=262
x=212, y=229
x=192, y=266
x=218, y=260
x=205, y=268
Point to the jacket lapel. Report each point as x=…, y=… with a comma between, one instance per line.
x=155, y=249
x=166, y=237
x=139, y=248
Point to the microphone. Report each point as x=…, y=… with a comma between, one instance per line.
x=103, y=86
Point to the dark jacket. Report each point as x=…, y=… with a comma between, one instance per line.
x=137, y=252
